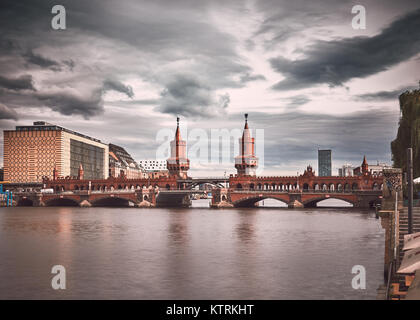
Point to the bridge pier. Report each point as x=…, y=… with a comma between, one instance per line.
x=85, y=204
x=173, y=199
x=295, y=201
x=295, y=204
x=220, y=198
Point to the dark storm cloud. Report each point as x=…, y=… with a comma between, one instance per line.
x=383, y=95
x=41, y=61
x=188, y=96
x=144, y=38
x=112, y=84
x=68, y=103
x=24, y=82
x=90, y=104
x=285, y=19
x=8, y=46
x=335, y=62
x=7, y=113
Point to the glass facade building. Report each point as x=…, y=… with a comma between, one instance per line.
x=91, y=157
x=324, y=163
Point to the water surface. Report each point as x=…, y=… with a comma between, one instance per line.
x=197, y=253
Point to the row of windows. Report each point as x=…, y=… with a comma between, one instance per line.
x=91, y=157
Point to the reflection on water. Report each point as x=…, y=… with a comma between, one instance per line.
x=199, y=253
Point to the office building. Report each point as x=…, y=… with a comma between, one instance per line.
x=324, y=163
x=32, y=152
x=121, y=163
x=346, y=170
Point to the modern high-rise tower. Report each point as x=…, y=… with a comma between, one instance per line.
x=178, y=164
x=246, y=163
x=324, y=163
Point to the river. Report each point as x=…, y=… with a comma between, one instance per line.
x=196, y=253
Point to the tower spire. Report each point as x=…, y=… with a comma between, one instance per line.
x=178, y=163
x=246, y=162
x=177, y=133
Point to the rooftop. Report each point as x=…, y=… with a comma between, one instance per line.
x=46, y=126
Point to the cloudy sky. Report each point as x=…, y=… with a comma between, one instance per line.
x=123, y=70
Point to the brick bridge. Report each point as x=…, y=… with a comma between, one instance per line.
x=300, y=191
x=146, y=197
x=295, y=199
x=242, y=189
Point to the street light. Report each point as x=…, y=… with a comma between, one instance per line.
x=393, y=182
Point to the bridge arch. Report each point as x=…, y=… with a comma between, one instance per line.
x=305, y=187
x=61, y=202
x=252, y=200
x=108, y=201
x=310, y=203
x=355, y=186
x=25, y=202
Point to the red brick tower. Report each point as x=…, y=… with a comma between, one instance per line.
x=246, y=163
x=365, y=167
x=178, y=164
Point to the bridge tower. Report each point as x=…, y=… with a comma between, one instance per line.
x=178, y=163
x=246, y=163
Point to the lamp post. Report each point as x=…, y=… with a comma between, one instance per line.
x=393, y=182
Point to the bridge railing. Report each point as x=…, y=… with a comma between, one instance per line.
x=307, y=191
x=89, y=191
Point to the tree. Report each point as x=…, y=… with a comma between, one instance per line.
x=408, y=132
